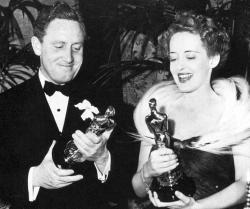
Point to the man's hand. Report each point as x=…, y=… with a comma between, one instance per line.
x=48, y=176
x=92, y=147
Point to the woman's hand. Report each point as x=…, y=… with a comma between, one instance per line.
x=160, y=161
x=184, y=201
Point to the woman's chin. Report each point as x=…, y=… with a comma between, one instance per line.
x=185, y=88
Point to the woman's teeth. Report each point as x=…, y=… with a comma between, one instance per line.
x=184, y=77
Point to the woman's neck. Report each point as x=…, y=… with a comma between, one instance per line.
x=201, y=97
x=196, y=113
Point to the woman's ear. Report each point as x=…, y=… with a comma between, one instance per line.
x=214, y=61
x=36, y=45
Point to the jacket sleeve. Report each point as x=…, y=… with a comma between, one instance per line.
x=13, y=172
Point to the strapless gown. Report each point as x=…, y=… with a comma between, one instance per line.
x=210, y=172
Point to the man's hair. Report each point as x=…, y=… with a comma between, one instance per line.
x=59, y=10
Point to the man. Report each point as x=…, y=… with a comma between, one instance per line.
x=34, y=120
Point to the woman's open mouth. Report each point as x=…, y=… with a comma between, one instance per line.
x=184, y=77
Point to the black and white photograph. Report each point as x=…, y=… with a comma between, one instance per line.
x=124, y=104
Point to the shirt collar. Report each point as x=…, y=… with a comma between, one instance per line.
x=42, y=78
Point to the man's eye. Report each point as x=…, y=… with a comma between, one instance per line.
x=77, y=48
x=58, y=46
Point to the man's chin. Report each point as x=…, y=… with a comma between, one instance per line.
x=64, y=81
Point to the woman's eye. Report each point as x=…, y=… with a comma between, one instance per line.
x=191, y=57
x=172, y=59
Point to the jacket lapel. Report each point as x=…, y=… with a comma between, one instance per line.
x=42, y=115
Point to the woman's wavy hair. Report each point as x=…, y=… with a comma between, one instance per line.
x=213, y=35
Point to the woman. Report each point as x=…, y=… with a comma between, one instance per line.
x=211, y=119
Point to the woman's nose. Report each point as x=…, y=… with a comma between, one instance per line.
x=178, y=65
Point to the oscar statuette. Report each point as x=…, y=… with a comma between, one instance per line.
x=67, y=155
x=98, y=125
x=166, y=184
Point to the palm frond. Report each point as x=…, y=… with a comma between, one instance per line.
x=7, y=79
x=17, y=61
x=28, y=13
x=15, y=29
x=135, y=67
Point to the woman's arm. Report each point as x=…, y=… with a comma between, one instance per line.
x=139, y=186
x=151, y=165
x=232, y=195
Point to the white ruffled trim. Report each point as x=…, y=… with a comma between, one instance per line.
x=232, y=129
x=234, y=126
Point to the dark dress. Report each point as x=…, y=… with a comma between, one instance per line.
x=210, y=172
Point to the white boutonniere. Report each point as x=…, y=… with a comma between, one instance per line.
x=89, y=110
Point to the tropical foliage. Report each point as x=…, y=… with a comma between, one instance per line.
x=124, y=27
x=17, y=62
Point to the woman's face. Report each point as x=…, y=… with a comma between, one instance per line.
x=189, y=62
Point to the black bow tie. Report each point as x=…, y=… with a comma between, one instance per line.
x=50, y=88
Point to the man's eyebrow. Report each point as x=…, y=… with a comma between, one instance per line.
x=187, y=51
x=81, y=43
x=56, y=42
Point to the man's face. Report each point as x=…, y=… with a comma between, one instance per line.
x=61, y=51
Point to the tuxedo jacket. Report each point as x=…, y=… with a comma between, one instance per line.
x=27, y=129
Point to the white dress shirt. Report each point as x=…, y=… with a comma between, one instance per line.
x=58, y=104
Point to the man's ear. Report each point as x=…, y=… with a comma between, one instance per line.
x=36, y=45
x=214, y=61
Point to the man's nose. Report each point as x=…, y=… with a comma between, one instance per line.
x=68, y=55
